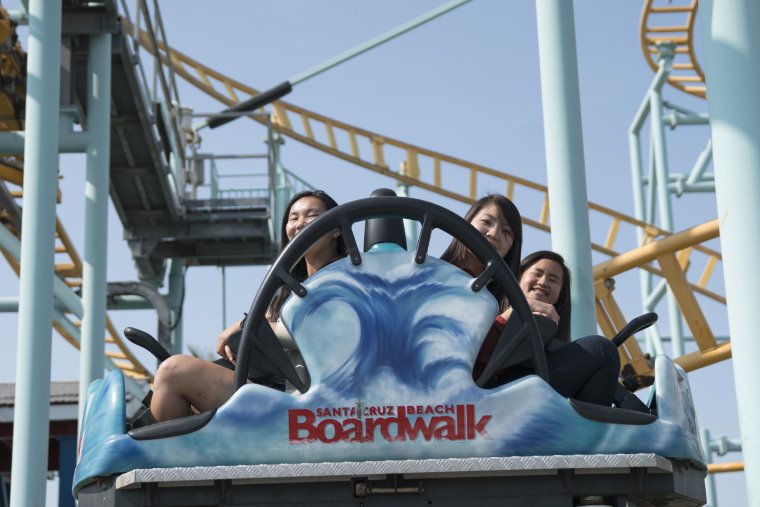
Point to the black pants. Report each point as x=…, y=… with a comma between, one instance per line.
x=586, y=369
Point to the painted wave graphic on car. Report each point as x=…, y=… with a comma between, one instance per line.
x=389, y=346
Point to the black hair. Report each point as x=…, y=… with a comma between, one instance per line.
x=456, y=253
x=562, y=306
x=299, y=270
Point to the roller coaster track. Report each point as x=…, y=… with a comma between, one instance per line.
x=462, y=180
x=68, y=267
x=443, y=174
x=664, y=22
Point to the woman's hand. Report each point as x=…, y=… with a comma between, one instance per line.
x=543, y=309
x=222, y=344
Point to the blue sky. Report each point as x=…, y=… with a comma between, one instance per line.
x=467, y=85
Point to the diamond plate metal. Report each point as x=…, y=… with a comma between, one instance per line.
x=450, y=467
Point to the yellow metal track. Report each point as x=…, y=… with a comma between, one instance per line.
x=669, y=254
x=68, y=267
x=458, y=179
x=719, y=468
x=673, y=21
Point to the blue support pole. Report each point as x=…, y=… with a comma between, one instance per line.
x=663, y=193
x=660, y=161
x=568, y=202
x=69, y=141
x=282, y=192
x=96, y=214
x=732, y=55
x=710, y=493
x=697, y=173
x=30, y=431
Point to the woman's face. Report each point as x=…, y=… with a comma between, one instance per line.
x=302, y=213
x=543, y=281
x=496, y=230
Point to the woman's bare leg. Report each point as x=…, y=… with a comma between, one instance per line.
x=183, y=382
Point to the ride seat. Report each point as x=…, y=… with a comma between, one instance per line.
x=385, y=230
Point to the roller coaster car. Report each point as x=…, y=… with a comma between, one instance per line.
x=389, y=338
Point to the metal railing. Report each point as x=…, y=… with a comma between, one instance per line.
x=161, y=93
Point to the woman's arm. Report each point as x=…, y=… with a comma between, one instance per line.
x=222, y=344
x=538, y=308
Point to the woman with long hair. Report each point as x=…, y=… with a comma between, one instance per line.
x=307, y=206
x=586, y=369
x=497, y=218
x=184, y=383
x=543, y=276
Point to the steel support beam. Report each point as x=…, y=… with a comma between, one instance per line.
x=30, y=433
x=563, y=133
x=69, y=141
x=732, y=55
x=95, y=213
x=659, y=147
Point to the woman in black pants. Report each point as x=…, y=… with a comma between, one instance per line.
x=585, y=369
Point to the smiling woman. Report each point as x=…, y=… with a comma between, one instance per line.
x=185, y=383
x=544, y=277
x=498, y=219
x=585, y=369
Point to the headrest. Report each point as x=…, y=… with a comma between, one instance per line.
x=384, y=230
